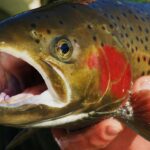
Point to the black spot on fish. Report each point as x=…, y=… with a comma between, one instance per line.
x=144, y=58
x=48, y=31
x=102, y=44
x=138, y=59
x=115, y=24
x=140, y=28
x=75, y=40
x=89, y=26
x=138, y=11
x=132, y=50
x=33, y=25
x=143, y=73
x=149, y=62
x=142, y=19
x=131, y=28
x=95, y=38
x=40, y=35
x=122, y=35
x=111, y=26
x=127, y=35
x=128, y=45
x=146, y=30
x=142, y=41
x=136, y=17
x=146, y=48
x=106, y=15
x=124, y=14
x=118, y=18
x=111, y=16
x=146, y=39
x=130, y=11
x=148, y=72
x=136, y=48
x=103, y=28
x=37, y=41
x=137, y=38
x=123, y=27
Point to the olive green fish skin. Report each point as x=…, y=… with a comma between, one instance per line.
x=123, y=25
x=32, y=33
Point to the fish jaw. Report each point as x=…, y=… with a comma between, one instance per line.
x=47, y=97
x=77, y=89
x=47, y=108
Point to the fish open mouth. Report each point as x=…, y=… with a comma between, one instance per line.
x=21, y=84
x=19, y=80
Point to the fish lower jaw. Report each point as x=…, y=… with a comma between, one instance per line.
x=45, y=98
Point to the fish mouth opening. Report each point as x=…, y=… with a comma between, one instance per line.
x=22, y=84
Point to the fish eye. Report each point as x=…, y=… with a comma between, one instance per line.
x=63, y=49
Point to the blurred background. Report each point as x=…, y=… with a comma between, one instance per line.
x=42, y=140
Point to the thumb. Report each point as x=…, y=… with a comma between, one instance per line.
x=92, y=138
x=143, y=83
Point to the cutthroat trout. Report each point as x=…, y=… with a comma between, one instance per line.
x=71, y=63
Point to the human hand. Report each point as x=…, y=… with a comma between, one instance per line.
x=106, y=135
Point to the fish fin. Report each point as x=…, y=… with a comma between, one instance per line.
x=136, y=113
x=20, y=138
x=68, y=1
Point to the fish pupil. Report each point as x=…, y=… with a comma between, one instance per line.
x=65, y=48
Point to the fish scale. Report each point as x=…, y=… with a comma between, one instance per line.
x=132, y=23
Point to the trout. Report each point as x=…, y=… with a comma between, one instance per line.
x=72, y=63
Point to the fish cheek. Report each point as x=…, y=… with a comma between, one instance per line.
x=98, y=62
x=83, y=82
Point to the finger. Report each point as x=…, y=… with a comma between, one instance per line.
x=143, y=83
x=92, y=138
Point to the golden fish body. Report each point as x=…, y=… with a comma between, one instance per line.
x=86, y=58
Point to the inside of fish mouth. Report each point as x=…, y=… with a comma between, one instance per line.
x=18, y=79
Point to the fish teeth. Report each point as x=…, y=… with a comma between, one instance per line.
x=3, y=97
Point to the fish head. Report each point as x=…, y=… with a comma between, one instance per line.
x=55, y=69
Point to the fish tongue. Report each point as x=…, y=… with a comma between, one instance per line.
x=26, y=94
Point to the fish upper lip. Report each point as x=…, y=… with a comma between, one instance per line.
x=59, y=72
